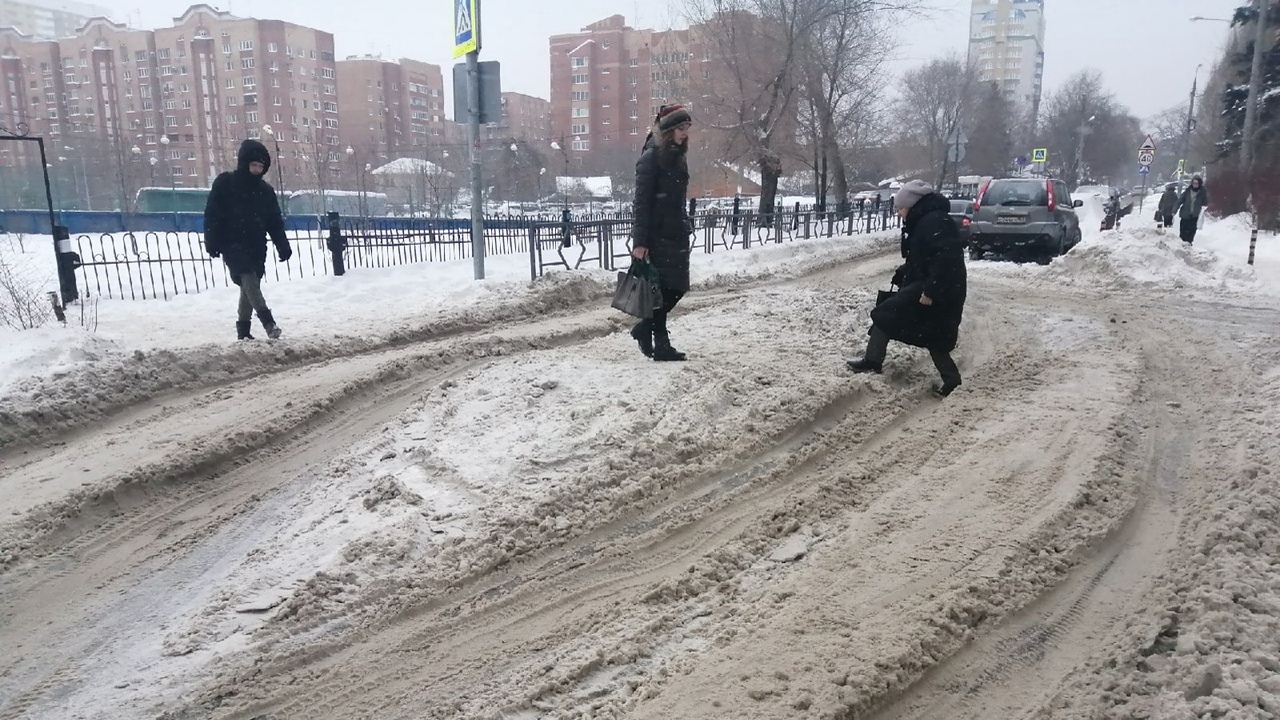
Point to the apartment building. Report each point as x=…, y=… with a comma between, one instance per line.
x=1006, y=43
x=186, y=95
x=47, y=19
x=524, y=117
x=608, y=81
x=390, y=109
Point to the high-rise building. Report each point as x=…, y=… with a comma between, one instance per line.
x=1006, y=44
x=389, y=109
x=524, y=117
x=47, y=19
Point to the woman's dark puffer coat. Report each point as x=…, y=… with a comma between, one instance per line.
x=934, y=267
x=660, y=215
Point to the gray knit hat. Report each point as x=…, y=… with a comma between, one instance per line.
x=910, y=193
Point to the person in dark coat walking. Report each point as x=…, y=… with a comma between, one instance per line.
x=1168, y=204
x=241, y=213
x=927, y=309
x=661, y=226
x=1193, y=202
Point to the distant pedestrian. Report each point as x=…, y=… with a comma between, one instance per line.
x=1168, y=204
x=661, y=227
x=932, y=285
x=1193, y=202
x=241, y=213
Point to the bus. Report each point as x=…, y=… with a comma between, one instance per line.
x=348, y=203
x=171, y=200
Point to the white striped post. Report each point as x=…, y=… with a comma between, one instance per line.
x=1253, y=244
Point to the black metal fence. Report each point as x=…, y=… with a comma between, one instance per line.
x=149, y=265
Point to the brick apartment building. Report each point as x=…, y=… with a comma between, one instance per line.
x=187, y=95
x=608, y=82
x=391, y=109
x=47, y=19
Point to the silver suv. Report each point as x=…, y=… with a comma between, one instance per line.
x=1024, y=217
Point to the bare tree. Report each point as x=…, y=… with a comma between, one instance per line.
x=843, y=60
x=758, y=46
x=936, y=100
x=1090, y=136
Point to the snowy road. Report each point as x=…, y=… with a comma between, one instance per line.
x=529, y=521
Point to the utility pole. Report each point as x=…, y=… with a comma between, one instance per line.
x=1255, y=89
x=466, y=16
x=1184, y=157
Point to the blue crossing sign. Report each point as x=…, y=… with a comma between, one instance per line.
x=466, y=27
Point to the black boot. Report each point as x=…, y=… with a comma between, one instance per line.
x=863, y=365
x=945, y=388
x=242, y=330
x=662, y=350
x=643, y=334
x=269, y=324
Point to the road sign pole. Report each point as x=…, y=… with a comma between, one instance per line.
x=477, y=184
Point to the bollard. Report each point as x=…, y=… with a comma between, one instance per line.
x=566, y=238
x=68, y=262
x=737, y=208
x=337, y=244
x=1253, y=244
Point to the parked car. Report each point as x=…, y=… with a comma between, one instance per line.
x=1024, y=217
x=962, y=213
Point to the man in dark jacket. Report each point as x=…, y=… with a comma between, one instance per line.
x=1193, y=202
x=927, y=309
x=1168, y=204
x=660, y=223
x=242, y=211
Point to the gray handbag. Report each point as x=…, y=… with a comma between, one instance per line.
x=638, y=292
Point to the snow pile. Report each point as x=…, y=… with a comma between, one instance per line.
x=1139, y=255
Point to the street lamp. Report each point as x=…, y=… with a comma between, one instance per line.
x=559, y=146
x=137, y=157
x=1084, y=130
x=271, y=133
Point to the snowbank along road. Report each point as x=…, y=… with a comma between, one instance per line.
x=530, y=521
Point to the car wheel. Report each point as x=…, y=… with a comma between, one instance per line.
x=975, y=253
x=1062, y=244
x=1076, y=237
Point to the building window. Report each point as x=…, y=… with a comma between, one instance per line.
x=581, y=95
x=579, y=129
x=163, y=54
x=635, y=131
x=226, y=48
x=251, y=116
x=231, y=83
x=247, y=64
x=581, y=79
x=579, y=62
x=581, y=112
x=582, y=145
x=635, y=62
x=246, y=44
x=272, y=47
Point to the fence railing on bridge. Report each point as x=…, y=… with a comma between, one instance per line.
x=147, y=265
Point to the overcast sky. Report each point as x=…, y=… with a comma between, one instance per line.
x=1146, y=49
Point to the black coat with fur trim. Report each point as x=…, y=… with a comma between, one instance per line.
x=241, y=213
x=934, y=267
x=660, y=213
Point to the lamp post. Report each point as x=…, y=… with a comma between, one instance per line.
x=173, y=183
x=136, y=153
x=560, y=146
x=541, y=172
x=270, y=131
x=1083, y=130
x=351, y=153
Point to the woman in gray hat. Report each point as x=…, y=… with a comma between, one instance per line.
x=927, y=309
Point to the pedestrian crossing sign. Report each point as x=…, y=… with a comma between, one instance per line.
x=466, y=27
x=1040, y=155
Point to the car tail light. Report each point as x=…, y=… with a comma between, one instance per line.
x=964, y=222
x=1053, y=201
x=977, y=204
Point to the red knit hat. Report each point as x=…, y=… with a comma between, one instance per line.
x=671, y=116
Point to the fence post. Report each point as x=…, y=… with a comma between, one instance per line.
x=737, y=208
x=1253, y=243
x=566, y=239
x=337, y=244
x=533, y=253
x=746, y=232
x=68, y=261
